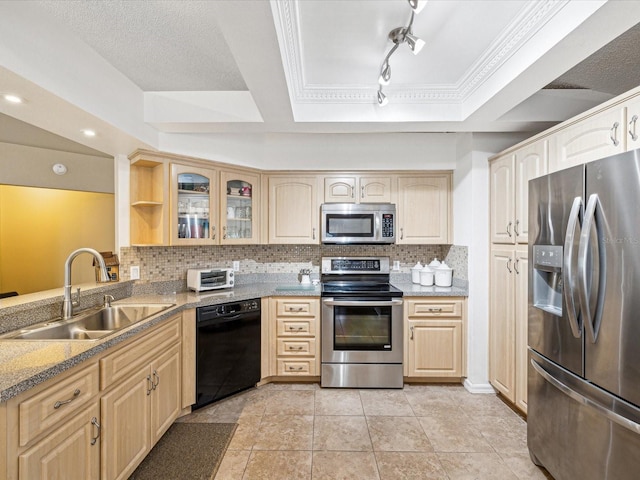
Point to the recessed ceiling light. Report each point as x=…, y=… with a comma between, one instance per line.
x=12, y=98
x=89, y=133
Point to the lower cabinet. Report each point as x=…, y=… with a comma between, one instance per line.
x=435, y=337
x=293, y=329
x=99, y=419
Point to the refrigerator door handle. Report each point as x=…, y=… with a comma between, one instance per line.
x=567, y=273
x=602, y=410
x=591, y=318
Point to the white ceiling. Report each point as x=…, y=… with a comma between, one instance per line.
x=146, y=71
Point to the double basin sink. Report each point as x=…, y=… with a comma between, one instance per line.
x=90, y=325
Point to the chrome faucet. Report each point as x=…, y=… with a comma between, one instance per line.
x=68, y=303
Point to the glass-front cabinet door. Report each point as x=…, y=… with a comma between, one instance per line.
x=239, y=213
x=194, y=210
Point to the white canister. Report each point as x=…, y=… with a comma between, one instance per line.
x=435, y=263
x=426, y=277
x=415, y=272
x=444, y=275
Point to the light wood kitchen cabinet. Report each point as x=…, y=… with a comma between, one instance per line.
x=424, y=209
x=294, y=337
x=593, y=137
x=240, y=208
x=508, y=305
x=72, y=452
x=509, y=205
x=149, y=196
x=56, y=430
x=143, y=397
x=194, y=205
x=435, y=337
x=293, y=209
x=357, y=189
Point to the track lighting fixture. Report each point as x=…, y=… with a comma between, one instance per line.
x=398, y=36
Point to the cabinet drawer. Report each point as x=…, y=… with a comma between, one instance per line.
x=122, y=363
x=291, y=347
x=296, y=307
x=298, y=327
x=299, y=366
x=434, y=308
x=62, y=400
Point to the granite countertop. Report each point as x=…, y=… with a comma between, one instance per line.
x=27, y=363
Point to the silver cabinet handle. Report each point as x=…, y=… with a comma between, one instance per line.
x=296, y=329
x=297, y=369
x=362, y=191
x=411, y=329
x=509, y=265
x=156, y=380
x=515, y=266
x=313, y=233
x=609, y=414
x=60, y=403
x=515, y=228
x=295, y=309
x=295, y=348
x=401, y=233
x=509, y=227
x=632, y=131
x=614, y=134
x=352, y=191
x=94, y=422
x=439, y=309
x=213, y=232
x=224, y=232
x=567, y=275
x=150, y=385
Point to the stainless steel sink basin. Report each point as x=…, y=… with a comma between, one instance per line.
x=90, y=325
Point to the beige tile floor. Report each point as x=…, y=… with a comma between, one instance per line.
x=300, y=431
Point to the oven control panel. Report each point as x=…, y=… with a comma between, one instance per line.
x=355, y=265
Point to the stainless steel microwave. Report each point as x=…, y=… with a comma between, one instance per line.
x=349, y=223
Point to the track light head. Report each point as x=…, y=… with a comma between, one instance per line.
x=417, y=5
x=382, y=98
x=385, y=74
x=415, y=43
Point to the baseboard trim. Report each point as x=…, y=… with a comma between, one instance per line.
x=478, y=387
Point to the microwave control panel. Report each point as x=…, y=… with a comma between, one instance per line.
x=387, y=225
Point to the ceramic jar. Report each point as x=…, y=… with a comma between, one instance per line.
x=426, y=277
x=435, y=263
x=415, y=272
x=443, y=275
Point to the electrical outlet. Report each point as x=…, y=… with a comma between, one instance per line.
x=134, y=272
x=396, y=265
x=236, y=265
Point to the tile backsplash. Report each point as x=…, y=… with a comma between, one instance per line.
x=171, y=263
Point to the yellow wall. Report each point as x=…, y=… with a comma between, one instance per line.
x=40, y=227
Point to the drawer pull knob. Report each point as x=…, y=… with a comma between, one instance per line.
x=60, y=403
x=94, y=422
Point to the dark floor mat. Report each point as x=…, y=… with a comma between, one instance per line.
x=187, y=451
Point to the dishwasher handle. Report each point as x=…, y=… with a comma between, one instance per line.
x=212, y=322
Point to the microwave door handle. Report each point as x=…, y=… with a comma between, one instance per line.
x=356, y=303
x=377, y=228
x=567, y=274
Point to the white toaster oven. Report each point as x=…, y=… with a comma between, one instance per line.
x=202, y=279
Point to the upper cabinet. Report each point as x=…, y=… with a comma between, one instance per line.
x=239, y=194
x=357, y=189
x=194, y=205
x=424, y=209
x=149, y=212
x=595, y=137
x=294, y=206
x=510, y=177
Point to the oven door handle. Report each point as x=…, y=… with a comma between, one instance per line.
x=364, y=303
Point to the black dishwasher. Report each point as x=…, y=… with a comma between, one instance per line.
x=227, y=349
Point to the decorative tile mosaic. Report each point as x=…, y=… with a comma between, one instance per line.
x=171, y=263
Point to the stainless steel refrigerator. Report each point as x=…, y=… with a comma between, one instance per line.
x=584, y=320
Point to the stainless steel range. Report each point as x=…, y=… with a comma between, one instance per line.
x=361, y=324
